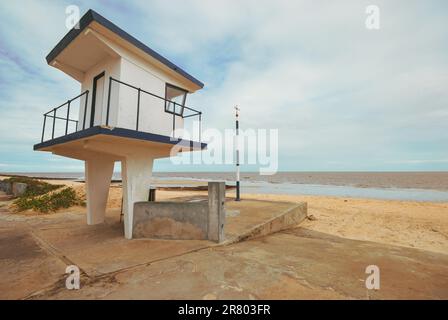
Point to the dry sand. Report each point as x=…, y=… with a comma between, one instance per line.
x=422, y=225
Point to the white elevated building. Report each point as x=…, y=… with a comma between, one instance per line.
x=132, y=100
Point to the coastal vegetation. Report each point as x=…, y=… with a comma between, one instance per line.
x=45, y=197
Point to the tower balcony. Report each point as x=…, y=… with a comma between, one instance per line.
x=131, y=114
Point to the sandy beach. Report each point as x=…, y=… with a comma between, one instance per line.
x=422, y=225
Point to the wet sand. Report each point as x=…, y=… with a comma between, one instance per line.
x=411, y=180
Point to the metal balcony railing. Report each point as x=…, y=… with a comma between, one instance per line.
x=184, y=111
x=54, y=115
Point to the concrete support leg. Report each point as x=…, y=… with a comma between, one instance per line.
x=98, y=174
x=136, y=173
x=216, y=211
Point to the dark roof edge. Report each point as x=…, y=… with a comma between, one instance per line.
x=90, y=16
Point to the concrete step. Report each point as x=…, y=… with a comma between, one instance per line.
x=265, y=218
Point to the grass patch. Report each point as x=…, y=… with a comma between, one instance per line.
x=65, y=198
x=45, y=197
x=34, y=187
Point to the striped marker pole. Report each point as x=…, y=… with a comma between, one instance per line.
x=237, y=147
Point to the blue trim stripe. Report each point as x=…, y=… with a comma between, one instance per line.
x=118, y=132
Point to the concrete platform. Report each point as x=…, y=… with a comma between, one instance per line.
x=60, y=239
x=292, y=264
x=102, y=249
x=249, y=219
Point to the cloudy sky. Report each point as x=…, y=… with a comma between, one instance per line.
x=342, y=97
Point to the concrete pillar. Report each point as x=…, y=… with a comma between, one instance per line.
x=216, y=210
x=136, y=174
x=98, y=172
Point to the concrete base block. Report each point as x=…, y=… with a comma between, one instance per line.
x=18, y=188
x=170, y=220
x=6, y=187
x=182, y=220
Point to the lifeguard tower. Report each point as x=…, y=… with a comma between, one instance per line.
x=131, y=104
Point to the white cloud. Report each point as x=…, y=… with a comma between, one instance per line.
x=338, y=93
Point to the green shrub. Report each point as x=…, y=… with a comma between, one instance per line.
x=65, y=198
x=34, y=187
x=44, y=197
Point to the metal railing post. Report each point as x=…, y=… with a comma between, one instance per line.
x=138, y=108
x=200, y=130
x=174, y=121
x=68, y=115
x=54, y=123
x=85, y=110
x=43, y=128
x=108, y=101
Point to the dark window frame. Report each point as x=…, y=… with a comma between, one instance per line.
x=172, y=86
